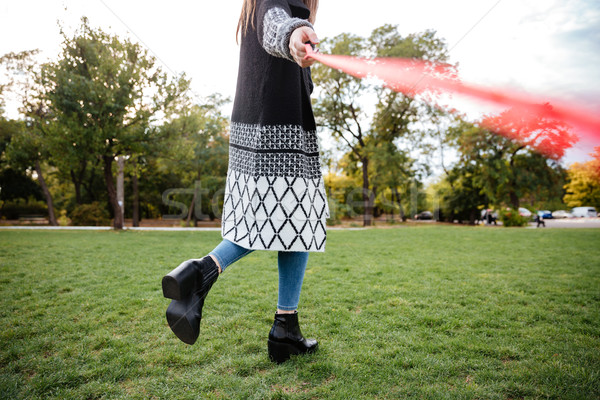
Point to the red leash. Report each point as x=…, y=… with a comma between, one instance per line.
x=412, y=77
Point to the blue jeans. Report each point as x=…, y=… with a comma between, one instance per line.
x=291, y=266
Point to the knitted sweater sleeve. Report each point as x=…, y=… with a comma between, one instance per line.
x=275, y=27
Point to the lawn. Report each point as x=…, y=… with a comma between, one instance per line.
x=432, y=312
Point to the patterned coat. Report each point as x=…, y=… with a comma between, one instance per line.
x=274, y=196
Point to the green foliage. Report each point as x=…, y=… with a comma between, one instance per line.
x=511, y=218
x=412, y=313
x=386, y=41
x=8, y=129
x=344, y=196
x=93, y=214
x=459, y=192
x=106, y=96
x=103, y=94
x=15, y=208
x=376, y=147
x=15, y=184
x=212, y=196
x=511, y=167
x=461, y=198
x=197, y=155
x=15, y=160
x=495, y=170
x=337, y=211
x=198, y=144
x=551, y=204
x=63, y=220
x=583, y=187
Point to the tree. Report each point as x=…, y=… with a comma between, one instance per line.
x=462, y=197
x=14, y=182
x=500, y=170
x=583, y=187
x=393, y=170
x=28, y=148
x=339, y=111
x=105, y=93
x=341, y=107
x=27, y=151
x=526, y=154
x=459, y=190
x=198, y=152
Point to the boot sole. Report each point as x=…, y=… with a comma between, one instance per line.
x=187, y=331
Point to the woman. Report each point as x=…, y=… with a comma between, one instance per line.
x=274, y=196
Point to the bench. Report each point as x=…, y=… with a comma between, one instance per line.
x=33, y=219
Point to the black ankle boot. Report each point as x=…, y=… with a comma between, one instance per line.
x=285, y=339
x=188, y=286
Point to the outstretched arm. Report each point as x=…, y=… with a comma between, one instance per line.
x=299, y=37
x=282, y=35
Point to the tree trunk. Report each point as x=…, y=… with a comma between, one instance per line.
x=77, y=180
x=367, y=198
x=90, y=182
x=121, y=185
x=191, y=211
x=392, y=213
x=77, y=185
x=399, y=202
x=112, y=191
x=47, y=194
x=514, y=200
x=136, y=196
x=472, y=216
x=373, y=195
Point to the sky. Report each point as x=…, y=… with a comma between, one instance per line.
x=550, y=49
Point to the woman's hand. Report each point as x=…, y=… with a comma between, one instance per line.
x=297, y=49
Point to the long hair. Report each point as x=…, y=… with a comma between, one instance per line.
x=249, y=7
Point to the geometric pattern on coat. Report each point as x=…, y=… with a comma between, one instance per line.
x=275, y=212
x=280, y=150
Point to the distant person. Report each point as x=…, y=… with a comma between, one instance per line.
x=540, y=221
x=490, y=217
x=274, y=195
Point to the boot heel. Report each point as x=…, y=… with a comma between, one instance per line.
x=281, y=352
x=285, y=339
x=178, y=283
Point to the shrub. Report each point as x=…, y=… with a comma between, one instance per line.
x=14, y=209
x=512, y=218
x=63, y=220
x=337, y=210
x=92, y=214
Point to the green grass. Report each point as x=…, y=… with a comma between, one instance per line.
x=420, y=312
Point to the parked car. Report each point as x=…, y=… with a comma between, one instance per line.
x=424, y=215
x=545, y=214
x=561, y=214
x=523, y=212
x=583, y=212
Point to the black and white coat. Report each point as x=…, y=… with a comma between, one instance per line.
x=274, y=196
